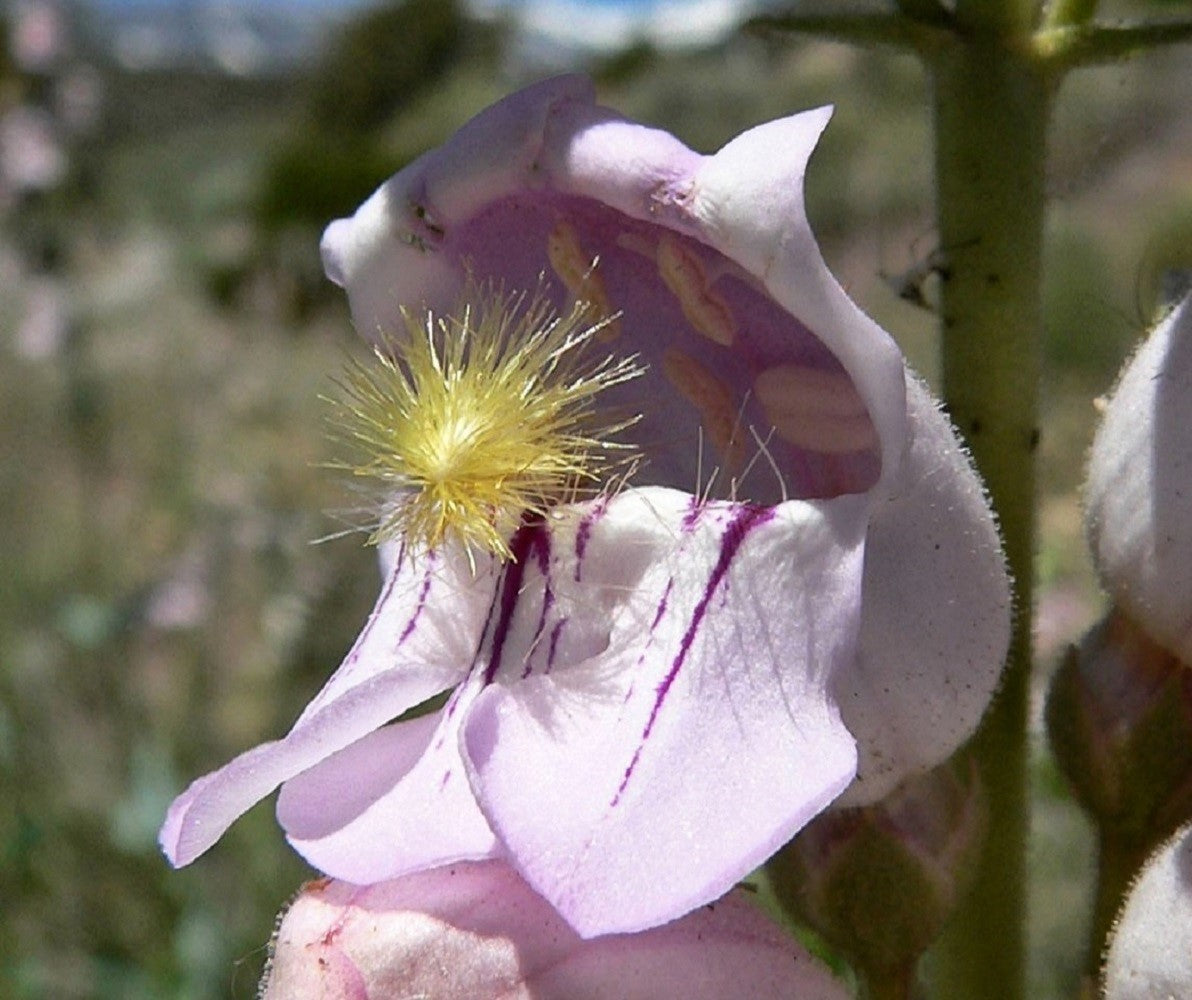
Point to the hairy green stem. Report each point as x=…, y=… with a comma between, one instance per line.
x=991, y=104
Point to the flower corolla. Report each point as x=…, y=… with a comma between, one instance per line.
x=1138, y=498
x=477, y=932
x=659, y=688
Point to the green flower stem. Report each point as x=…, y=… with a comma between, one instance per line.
x=991, y=105
x=925, y=11
x=979, y=19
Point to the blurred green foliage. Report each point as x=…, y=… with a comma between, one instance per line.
x=315, y=179
x=338, y=143
x=382, y=59
x=161, y=607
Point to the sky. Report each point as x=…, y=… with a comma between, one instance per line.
x=593, y=24
x=609, y=24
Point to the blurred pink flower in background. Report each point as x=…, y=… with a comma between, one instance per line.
x=31, y=155
x=46, y=321
x=39, y=36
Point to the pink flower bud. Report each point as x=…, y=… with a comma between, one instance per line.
x=477, y=931
x=1119, y=715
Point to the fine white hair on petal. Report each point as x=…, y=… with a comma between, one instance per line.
x=935, y=623
x=388, y=553
x=1150, y=956
x=1138, y=499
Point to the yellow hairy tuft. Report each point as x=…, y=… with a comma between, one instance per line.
x=470, y=422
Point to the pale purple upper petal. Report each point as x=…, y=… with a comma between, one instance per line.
x=749, y=201
x=642, y=172
x=419, y=640
x=387, y=252
x=708, y=262
x=638, y=783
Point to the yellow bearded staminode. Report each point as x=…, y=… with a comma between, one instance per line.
x=472, y=421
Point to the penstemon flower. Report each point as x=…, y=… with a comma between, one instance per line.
x=650, y=690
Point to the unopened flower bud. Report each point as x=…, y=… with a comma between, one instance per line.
x=1120, y=720
x=477, y=931
x=880, y=881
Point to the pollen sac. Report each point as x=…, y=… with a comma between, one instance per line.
x=815, y=409
x=580, y=277
x=685, y=275
x=712, y=398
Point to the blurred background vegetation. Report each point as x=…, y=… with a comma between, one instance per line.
x=165, y=332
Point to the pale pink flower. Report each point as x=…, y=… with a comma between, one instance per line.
x=661, y=689
x=477, y=932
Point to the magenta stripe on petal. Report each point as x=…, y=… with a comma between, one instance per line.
x=745, y=519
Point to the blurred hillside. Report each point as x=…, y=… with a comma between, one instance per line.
x=162, y=606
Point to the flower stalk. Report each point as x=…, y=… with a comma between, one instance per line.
x=991, y=107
